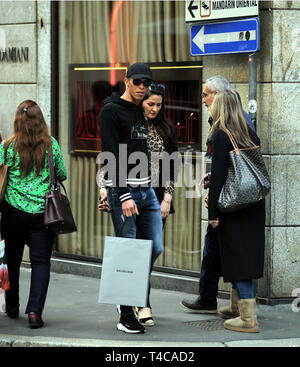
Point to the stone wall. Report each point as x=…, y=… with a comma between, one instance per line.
x=25, y=24
x=278, y=95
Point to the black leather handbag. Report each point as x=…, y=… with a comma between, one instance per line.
x=247, y=181
x=58, y=214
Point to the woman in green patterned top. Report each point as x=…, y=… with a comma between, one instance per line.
x=26, y=154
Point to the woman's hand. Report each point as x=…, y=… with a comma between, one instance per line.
x=103, y=206
x=214, y=223
x=206, y=201
x=165, y=206
x=205, y=181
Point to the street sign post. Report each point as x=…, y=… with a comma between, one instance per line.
x=196, y=10
x=225, y=38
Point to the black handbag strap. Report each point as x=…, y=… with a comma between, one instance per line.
x=53, y=179
x=51, y=168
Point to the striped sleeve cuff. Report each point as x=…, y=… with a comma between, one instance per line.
x=125, y=197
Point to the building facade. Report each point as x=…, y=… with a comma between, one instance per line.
x=68, y=56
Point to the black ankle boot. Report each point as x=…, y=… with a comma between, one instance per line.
x=12, y=312
x=35, y=320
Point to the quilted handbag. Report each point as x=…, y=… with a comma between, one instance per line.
x=58, y=214
x=247, y=181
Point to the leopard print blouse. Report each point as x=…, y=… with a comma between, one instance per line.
x=155, y=144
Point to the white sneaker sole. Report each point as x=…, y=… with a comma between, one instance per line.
x=121, y=327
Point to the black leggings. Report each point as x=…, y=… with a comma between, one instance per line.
x=19, y=228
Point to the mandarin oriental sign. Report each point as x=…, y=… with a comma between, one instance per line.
x=14, y=54
x=196, y=10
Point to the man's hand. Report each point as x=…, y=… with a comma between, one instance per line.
x=129, y=208
x=165, y=205
x=214, y=223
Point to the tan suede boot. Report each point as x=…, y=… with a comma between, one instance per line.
x=247, y=322
x=230, y=311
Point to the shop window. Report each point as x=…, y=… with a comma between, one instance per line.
x=91, y=84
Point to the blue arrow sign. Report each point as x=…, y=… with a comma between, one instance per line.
x=225, y=38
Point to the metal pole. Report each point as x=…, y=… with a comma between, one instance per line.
x=252, y=105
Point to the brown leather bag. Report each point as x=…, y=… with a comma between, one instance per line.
x=58, y=214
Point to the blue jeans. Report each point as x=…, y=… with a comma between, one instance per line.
x=210, y=269
x=245, y=288
x=147, y=225
x=19, y=228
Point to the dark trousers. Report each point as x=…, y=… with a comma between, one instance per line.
x=210, y=268
x=19, y=228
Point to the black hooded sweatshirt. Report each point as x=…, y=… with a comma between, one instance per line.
x=123, y=122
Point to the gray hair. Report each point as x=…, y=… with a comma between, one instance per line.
x=218, y=84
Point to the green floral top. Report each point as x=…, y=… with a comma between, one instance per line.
x=28, y=193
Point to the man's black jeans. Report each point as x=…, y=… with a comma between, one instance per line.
x=210, y=268
x=19, y=228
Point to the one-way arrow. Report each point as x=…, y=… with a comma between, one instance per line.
x=201, y=39
x=192, y=7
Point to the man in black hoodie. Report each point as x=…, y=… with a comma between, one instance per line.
x=133, y=204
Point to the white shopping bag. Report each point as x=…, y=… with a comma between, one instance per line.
x=125, y=271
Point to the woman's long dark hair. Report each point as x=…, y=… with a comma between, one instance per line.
x=164, y=127
x=31, y=137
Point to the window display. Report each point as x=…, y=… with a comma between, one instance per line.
x=90, y=85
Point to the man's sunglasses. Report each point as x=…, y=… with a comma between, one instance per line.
x=146, y=82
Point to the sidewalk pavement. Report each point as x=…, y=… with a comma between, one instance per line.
x=74, y=318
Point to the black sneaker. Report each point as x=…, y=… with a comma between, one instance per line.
x=130, y=324
x=196, y=306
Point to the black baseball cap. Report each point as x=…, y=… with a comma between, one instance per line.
x=139, y=70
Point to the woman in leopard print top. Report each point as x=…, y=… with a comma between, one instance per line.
x=161, y=138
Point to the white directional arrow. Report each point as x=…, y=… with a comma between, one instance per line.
x=202, y=39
